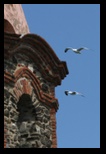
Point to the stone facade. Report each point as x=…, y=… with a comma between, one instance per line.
x=28, y=122
x=31, y=72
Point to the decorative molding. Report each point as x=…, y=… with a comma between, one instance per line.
x=38, y=50
x=34, y=82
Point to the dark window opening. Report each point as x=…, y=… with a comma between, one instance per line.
x=27, y=115
x=26, y=109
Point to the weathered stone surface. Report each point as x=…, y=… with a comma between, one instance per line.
x=15, y=117
x=24, y=135
x=14, y=14
x=16, y=137
x=6, y=112
x=45, y=141
x=23, y=127
x=29, y=126
x=11, y=146
x=47, y=133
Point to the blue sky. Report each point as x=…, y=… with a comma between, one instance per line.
x=73, y=25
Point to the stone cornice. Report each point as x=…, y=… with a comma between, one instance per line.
x=39, y=51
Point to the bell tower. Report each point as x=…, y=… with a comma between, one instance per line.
x=32, y=70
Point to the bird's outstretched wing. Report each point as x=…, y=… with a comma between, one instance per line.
x=66, y=92
x=80, y=94
x=82, y=48
x=67, y=49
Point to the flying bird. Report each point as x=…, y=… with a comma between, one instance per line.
x=76, y=50
x=73, y=93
